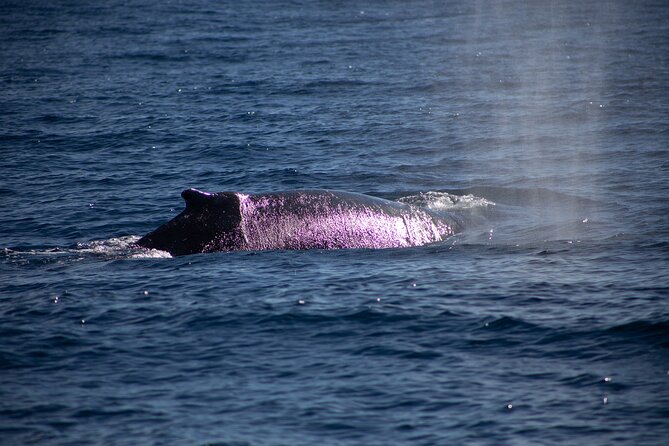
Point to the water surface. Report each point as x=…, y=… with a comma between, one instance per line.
x=544, y=126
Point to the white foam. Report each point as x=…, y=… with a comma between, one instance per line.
x=121, y=247
x=112, y=244
x=115, y=247
x=445, y=201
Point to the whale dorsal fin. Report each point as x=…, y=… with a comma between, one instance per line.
x=196, y=199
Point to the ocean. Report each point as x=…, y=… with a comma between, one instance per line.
x=544, y=126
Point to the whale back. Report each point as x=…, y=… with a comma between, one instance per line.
x=209, y=223
x=304, y=219
x=323, y=219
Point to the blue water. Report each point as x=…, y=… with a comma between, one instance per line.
x=544, y=126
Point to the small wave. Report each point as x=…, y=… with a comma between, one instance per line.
x=650, y=332
x=444, y=201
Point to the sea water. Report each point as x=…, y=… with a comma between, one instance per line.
x=543, y=125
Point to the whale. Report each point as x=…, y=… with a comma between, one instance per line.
x=298, y=219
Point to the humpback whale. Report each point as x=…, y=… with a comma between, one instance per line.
x=300, y=219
